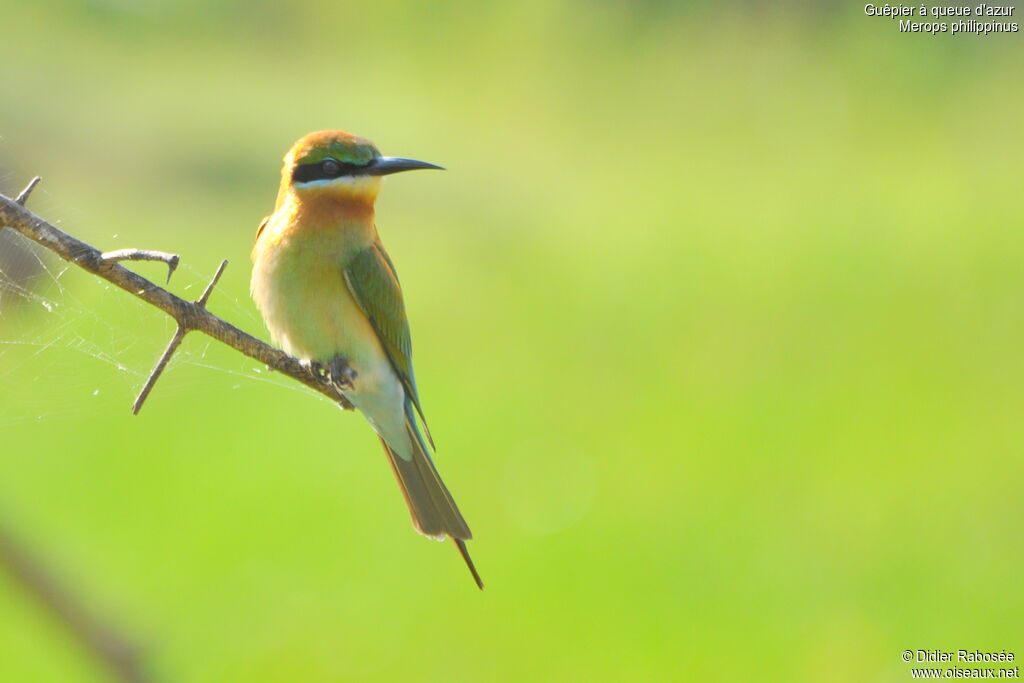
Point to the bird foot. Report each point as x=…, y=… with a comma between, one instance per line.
x=338, y=372
x=341, y=373
x=313, y=367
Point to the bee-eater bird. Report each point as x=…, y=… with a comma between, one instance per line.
x=329, y=295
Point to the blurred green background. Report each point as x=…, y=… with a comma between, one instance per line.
x=717, y=317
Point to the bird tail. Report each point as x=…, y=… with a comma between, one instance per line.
x=433, y=510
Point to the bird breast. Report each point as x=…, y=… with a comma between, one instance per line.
x=298, y=285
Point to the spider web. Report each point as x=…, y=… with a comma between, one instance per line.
x=68, y=338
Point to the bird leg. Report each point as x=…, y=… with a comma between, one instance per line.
x=313, y=367
x=341, y=373
x=338, y=373
x=337, y=370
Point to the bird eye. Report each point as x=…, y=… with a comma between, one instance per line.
x=331, y=168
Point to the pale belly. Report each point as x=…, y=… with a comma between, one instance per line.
x=299, y=287
x=298, y=283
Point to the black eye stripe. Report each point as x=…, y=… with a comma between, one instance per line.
x=326, y=170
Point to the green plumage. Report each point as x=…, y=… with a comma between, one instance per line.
x=328, y=291
x=371, y=277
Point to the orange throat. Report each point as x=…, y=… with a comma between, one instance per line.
x=333, y=203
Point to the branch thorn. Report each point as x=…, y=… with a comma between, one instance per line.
x=179, y=334
x=171, y=260
x=23, y=197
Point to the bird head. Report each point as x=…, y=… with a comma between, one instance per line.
x=336, y=164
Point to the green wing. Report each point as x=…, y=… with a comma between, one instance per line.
x=372, y=279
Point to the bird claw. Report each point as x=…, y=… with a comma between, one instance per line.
x=313, y=367
x=341, y=373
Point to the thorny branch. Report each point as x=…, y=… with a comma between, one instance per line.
x=120, y=657
x=190, y=315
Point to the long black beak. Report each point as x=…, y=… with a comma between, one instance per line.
x=389, y=165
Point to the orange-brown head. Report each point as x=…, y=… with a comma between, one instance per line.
x=333, y=164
